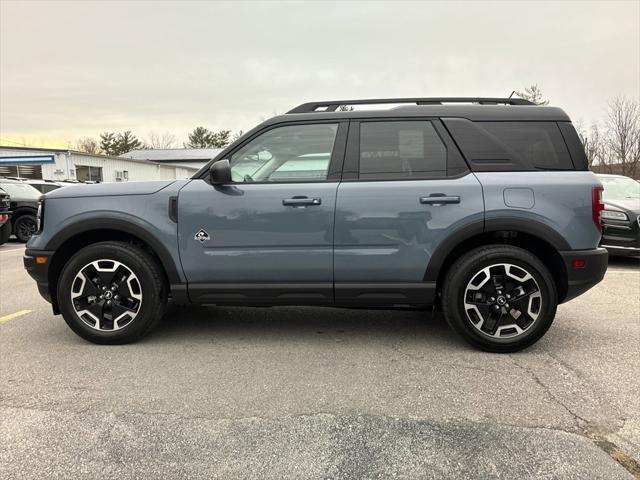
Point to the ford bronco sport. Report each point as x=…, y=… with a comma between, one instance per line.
x=483, y=207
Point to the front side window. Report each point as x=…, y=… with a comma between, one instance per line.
x=401, y=150
x=286, y=154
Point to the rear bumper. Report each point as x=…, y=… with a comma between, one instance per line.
x=39, y=270
x=582, y=278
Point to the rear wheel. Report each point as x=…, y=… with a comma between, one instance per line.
x=24, y=227
x=500, y=298
x=112, y=293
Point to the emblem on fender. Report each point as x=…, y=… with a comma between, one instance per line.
x=202, y=236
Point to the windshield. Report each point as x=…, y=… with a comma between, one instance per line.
x=619, y=188
x=22, y=191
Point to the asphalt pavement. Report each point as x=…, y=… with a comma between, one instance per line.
x=319, y=393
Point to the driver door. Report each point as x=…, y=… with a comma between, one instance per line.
x=268, y=236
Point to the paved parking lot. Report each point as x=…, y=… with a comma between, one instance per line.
x=319, y=393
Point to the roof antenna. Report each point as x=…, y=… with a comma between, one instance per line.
x=512, y=94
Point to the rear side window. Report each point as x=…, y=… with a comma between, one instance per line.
x=510, y=146
x=401, y=150
x=539, y=144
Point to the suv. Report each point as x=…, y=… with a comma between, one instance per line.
x=24, y=207
x=484, y=207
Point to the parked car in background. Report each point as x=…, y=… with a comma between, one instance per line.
x=621, y=215
x=24, y=207
x=5, y=212
x=44, y=186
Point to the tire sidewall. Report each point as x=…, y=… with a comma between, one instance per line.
x=150, y=297
x=468, y=268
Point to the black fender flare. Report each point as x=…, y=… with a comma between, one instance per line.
x=122, y=224
x=502, y=223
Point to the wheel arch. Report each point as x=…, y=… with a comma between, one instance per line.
x=535, y=237
x=81, y=234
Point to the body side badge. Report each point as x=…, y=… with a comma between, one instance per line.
x=202, y=236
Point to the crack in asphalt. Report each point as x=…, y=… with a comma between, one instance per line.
x=587, y=428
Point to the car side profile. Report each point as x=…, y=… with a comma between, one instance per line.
x=482, y=207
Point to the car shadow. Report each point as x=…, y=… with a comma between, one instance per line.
x=314, y=324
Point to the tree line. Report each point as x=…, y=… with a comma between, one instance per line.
x=117, y=143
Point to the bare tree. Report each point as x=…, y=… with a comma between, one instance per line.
x=623, y=135
x=87, y=145
x=533, y=94
x=158, y=140
x=594, y=143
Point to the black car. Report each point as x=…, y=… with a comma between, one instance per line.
x=621, y=215
x=23, y=206
x=5, y=211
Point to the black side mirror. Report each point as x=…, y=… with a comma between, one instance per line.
x=220, y=172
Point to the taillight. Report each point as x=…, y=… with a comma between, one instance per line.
x=597, y=206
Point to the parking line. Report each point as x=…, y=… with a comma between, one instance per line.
x=6, y=318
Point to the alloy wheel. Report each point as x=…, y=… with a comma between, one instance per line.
x=502, y=300
x=106, y=295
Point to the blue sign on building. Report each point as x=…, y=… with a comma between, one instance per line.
x=27, y=159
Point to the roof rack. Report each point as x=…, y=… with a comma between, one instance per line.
x=332, y=105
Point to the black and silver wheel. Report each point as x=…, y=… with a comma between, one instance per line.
x=25, y=226
x=499, y=298
x=112, y=292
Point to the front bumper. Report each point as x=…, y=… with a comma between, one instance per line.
x=39, y=270
x=621, y=237
x=585, y=268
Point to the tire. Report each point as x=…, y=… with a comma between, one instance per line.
x=138, y=293
x=24, y=226
x=509, y=278
x=5, y=233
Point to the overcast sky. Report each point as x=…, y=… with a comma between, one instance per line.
x=71, y=69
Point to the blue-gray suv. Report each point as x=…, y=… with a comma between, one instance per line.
x=482, y=207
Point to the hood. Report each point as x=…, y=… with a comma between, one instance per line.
x=109, y=189
x=626, y=205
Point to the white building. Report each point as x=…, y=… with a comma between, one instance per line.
x=176, y=157
x=64, y=164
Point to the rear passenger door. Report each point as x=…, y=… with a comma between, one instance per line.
x=405, y=190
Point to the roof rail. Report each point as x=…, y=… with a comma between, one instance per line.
x=332, y=105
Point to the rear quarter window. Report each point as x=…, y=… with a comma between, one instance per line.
x=540, y=144
x=512, y=145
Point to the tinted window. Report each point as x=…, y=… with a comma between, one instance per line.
x=284, y=154
x=539, y=144
x=392, y=150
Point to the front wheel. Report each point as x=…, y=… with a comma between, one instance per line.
x=112, y=293
x=24, y=227
x=499, y=298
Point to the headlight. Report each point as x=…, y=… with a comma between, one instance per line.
x=39, y=216
x=613, y=215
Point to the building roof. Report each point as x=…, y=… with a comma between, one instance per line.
x=174, y=154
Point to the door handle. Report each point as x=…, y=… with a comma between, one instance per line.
x=301, y=201
x=439, y=199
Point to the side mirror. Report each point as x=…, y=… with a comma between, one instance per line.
x=220, y=172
